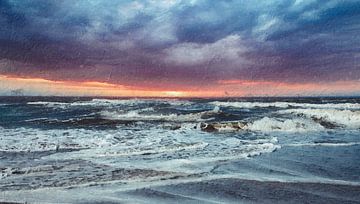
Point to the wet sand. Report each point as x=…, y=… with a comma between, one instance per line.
x=229, y=190
x=250, y=191
x=260, y=180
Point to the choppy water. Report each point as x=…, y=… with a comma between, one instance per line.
x=73, y=142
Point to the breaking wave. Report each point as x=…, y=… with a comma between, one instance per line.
x=145, y=148
x=285, y=125
x=346, y=118
x=50, y=104
x=145, y=115
x=111, y=102
x=160, y=150
x=286, y=105
x=36, y=140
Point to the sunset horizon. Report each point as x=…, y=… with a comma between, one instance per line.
x=179, y=101
x=188, y=48
x=223, y=89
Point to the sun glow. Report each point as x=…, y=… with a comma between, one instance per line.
x=38, y=86
x=175, y=93
x=223, y=88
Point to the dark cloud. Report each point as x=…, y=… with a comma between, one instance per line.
x=193, y=42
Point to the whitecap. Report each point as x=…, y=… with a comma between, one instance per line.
x=111, y=102
x=144, y=115
x=286, y=105
x=50, y=104
x=250, y=104
x=347, y=118
x=284, y=125
x=160, y=150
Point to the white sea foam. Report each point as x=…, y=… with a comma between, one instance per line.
x=144, y=115
x=249, y=104
x=286, y=105
x=284, y=125
x=160, y=150
x=38, y=119
x=31, y=139
x=151, y=147
x=347, y=118
x=50, y=104
x=200, y=164
x=121, y=142
x=136, y=116
x=110, y=102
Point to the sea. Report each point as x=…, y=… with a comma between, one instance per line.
x=157, y=150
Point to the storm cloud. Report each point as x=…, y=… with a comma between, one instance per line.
x=169, y=42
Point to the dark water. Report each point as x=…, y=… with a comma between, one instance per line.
x=71, y=146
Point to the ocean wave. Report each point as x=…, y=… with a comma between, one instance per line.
x=78, y=122
x=205, y=162
x=160, y=150
x=250, y=105
x=149, y=147
x=94, y=102
x=136, y=116
x=346, y=118
x=284, y=125
x=143, y=115
x=111, y=102
x=268, y=124
x=199, y=158
x=37, y=140
x=40, y=119
x=125, y=140
x=49, y=104
x=326, y=144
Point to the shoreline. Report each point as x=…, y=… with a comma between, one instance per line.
x=226, y=190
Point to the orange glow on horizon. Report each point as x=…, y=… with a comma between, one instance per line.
x=88, y=88
x=223, y=88
x=273, y=88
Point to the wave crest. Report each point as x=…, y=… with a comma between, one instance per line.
x=111, y=102
x=145, y=115
x=346, y=118
x=285, y=125
x=286, y=105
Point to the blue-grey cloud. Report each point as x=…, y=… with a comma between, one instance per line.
x=178, y=40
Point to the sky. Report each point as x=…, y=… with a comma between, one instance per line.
x=178, y=48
